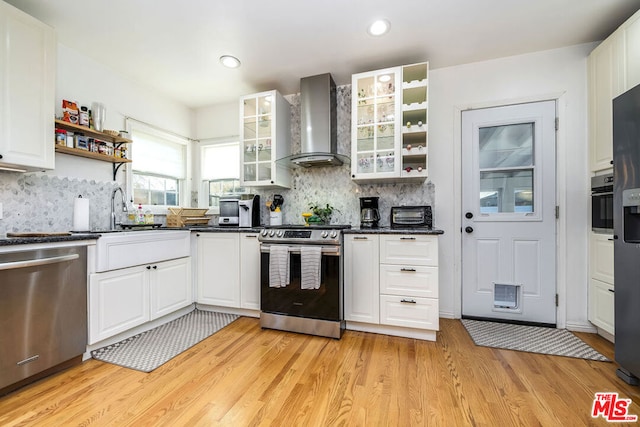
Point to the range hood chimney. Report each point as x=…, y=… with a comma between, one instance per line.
x=318, y=124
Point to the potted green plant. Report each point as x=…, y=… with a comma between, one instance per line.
x=321, y=215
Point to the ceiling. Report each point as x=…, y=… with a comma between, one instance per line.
x=174, y=46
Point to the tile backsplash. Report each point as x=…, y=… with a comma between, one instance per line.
x=41, y=202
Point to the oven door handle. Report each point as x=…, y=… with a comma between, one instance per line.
x=326, y=250
x=608, y=193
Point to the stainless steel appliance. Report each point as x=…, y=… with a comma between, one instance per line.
x=602, y=203
x=318, y=124
x=293, y=307
x=235, y=208
x=626, y=227
x=249, y=211
x=411, y=216
x=369, y=213
x=43, y=313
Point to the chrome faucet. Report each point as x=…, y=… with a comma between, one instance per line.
x=113, y=206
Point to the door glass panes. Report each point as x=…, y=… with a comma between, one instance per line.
x=506, y=166
x=376, y=113
x=506, y=191
x=506, y=146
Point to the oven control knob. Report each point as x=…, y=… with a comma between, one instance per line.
x=324, y=234
x=280, y=233
x=272, y=233
x=264, y=232
x=334, y=234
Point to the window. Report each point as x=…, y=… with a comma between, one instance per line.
x=159, y=167
x=220, y=168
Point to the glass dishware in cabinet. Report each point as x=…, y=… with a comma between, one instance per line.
x=265, y=138
x=376, y=106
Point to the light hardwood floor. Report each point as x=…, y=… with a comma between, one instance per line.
x=245, y=376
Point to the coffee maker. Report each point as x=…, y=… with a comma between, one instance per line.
x=249, y=211
x=369, y=213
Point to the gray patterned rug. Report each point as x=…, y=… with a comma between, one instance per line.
x=533, y=339
x=149, y=350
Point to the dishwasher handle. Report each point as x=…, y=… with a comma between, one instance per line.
x=36, y=262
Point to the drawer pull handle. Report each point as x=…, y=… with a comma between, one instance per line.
x=251, y=236
x=408, y=269
x=407, y=238
x=409, y=301
x=611, y=290
x=360, y=238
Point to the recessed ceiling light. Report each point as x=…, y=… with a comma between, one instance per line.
x=379, y=27
x=230, y=61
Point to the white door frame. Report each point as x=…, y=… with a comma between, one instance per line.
x=561, y=195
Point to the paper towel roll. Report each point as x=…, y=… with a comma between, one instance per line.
x=81, y=214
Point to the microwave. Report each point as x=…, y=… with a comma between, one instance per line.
x=411, y=216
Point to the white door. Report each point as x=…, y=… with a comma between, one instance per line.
x=508, y=212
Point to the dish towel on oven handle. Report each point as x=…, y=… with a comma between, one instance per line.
x=310, y=261
x=278, y=266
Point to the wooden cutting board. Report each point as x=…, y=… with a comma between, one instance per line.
x=38, y=234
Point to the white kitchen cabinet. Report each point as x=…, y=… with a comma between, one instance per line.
x=601, y=282
x=265, y=135
x=249, y=271
x=602, y=305
x=218, y=278
x=605, y=68
x=361, y=277
x=391, y=284
x=631, y=29
x=27, y=91
x=118, y=301
x=122, y=299
x=170, y=286
x=409, y=281
x=389, y=124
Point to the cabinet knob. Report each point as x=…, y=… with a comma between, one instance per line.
x=0, y=156
x=148, y=267
x=353, y=176
x=155, y=267
x=468, y=229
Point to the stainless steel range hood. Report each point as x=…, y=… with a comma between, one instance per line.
x=318, y=124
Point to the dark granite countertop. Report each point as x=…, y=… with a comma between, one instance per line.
x=222, y=229
x=9, y=241
x=389, y=230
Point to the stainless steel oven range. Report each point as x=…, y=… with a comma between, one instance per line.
x=301, y=279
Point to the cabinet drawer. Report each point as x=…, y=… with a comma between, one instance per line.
x=418, y=281
x=410, y=312
x=409, y=249
x=601, y=305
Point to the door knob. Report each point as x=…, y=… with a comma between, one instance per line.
x=468, y=215
x=468, y=229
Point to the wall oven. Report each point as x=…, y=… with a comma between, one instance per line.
x=295, y=307
x=602, y=204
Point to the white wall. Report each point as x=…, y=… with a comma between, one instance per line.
x=555, y=74
x=84, y=80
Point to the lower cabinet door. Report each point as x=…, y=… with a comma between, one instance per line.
x=249, y=271
x=601, y=305
x=409, y=312
x=170, y=286
x=118, y=300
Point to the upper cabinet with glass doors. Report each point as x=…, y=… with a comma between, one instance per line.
x=265, y=136
x=389, y=124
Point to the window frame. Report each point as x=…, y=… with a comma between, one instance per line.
x=203, y=190
x=184, y=184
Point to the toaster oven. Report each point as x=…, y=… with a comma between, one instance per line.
x=411, y=216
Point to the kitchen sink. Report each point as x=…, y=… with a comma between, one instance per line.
x=125, y=248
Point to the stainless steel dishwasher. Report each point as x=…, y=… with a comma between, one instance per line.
x=43, y=313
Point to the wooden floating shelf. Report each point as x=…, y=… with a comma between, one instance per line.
x=91, y=132
x=90, y=155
